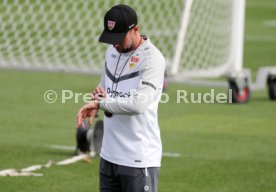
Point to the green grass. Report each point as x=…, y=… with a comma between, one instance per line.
x=223, y=147
x=260, y=40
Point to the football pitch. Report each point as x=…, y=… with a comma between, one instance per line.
x=219, y=147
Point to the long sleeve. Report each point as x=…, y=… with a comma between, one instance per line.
x=151, y=79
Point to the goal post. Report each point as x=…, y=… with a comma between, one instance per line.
x=210, y=39
x=237, y=40
x=199, y=38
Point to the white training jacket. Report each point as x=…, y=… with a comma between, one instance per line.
x=133, y=82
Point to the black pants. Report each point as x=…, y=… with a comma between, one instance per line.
x=117, y=178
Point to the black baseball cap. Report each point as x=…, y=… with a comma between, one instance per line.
x=117, y=22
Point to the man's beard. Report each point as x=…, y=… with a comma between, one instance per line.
x=120, y=50
x=126, y=50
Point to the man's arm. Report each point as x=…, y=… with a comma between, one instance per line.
x=150, y=79
x=88, y=110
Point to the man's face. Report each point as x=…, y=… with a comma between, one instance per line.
x=127, y=44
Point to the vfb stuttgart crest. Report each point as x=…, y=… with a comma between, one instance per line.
x=111, y=24
x=133, y=60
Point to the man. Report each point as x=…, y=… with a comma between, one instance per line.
x=128, y=93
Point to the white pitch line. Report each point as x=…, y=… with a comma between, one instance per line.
x=7, y=171
x=168, y=154
x=62, y=147
x=261, y=4
x=73, y=159
x=31, y=168
x=28, y=171
x=256, y=38
x=15, y=173
x=65, y=147
x=269, y=23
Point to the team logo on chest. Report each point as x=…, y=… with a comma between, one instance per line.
x=110, y=24
x=133, y=61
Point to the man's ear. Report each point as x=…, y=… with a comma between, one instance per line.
x=136, y=28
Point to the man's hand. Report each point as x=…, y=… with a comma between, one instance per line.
x=99, y=92
x=88, y=110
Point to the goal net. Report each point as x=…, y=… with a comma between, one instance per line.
x=194, y=35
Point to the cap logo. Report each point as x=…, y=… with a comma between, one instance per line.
x=110, y=24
